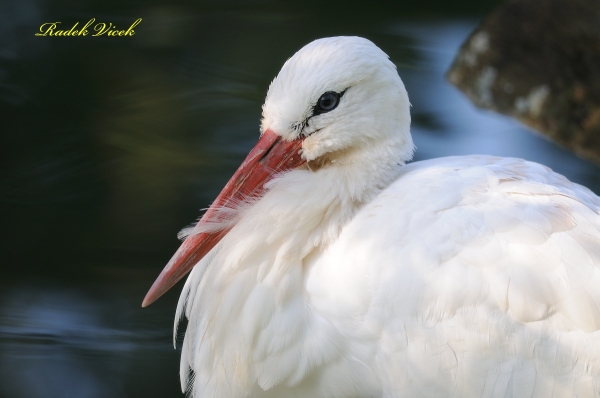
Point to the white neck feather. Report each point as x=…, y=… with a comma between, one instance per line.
x=252, y=284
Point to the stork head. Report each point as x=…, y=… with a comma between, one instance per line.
x=338, y=100
x=337, y=94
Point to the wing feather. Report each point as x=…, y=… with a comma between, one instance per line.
x=484, y=277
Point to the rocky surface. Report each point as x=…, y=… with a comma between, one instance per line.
x=538, y=61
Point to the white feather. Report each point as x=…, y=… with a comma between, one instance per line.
x=456, y=277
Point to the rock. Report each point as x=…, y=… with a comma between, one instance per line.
x=538, y=61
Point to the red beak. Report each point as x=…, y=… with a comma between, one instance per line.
x=270, y=156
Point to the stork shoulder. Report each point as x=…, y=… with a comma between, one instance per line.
x=456, y=232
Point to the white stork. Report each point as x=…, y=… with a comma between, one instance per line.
x=327, y=267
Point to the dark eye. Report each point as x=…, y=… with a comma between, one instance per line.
x=328, y=102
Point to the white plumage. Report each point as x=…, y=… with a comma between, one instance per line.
x=360, y=276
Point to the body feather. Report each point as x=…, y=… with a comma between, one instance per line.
x=465, y=277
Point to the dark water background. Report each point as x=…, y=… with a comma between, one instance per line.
x=110, y=145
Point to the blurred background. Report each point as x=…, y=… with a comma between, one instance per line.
x=110, y=145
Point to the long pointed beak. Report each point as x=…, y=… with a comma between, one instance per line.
x=271, y=155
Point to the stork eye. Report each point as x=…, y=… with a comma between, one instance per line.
x=327, y=102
